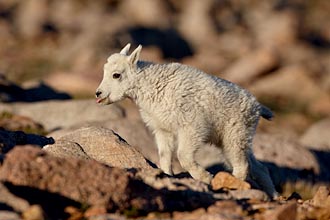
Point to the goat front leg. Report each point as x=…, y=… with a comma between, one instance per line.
x=165, y=144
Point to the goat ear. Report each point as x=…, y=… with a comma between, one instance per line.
x=135, y=55
x=125, y=50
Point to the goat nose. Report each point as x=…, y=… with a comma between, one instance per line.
x=98, y=93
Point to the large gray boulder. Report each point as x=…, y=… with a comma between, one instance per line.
x=287, y=159
x=100, y=144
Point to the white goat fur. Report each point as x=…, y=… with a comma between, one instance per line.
x=186, y=108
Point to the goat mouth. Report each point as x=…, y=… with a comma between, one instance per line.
x=99, y=100
x=105, y=100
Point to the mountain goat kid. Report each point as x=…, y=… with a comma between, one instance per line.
x=186, y=107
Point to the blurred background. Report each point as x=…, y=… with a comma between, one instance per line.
x=278, y=49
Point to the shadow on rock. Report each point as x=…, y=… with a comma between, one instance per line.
x=323, y=159
x=282, y=175
x=6, y=207
x=9, y=139
x=216, y=168
x=10, y=92
x=53, y=204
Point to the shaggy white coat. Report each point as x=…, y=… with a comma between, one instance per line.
x=186, y=108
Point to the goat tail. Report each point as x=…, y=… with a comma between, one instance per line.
x=266, y=113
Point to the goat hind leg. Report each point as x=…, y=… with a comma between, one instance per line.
x=259, y=173
x=188, y=144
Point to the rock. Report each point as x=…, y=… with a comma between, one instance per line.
x=290, y=125
x=317, y=136
x=196, y=214
x=221, y=210
x=14, y=202
x=152, y=52
x=8, y=215
x=282, y=87
x=201, y=214
x=89, y=182
x=100, y=144
x=317, y=213
x=211, y=62
x=77, y=84
x=320, y=106
x=133, y=130
x=195, y=18
x=252, y=194
x=34, y=212
x=248, y=67
x=322, y=198
x=319, y=206
x=67, y=149
x=74, y=212
x=283, y=212
x=228, y=207
x=300, y=54
x=12, y=122
x=83, y=181
x=275, y=29
x=224, y=180
x=286, y=159
x=283, y=152
x=128, y=124
x=234, y=43
x=31, y=17
x=145, y=13
x=107, y=216
x=95, y=211
x=59, y=114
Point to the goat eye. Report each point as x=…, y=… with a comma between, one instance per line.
x=116, y=75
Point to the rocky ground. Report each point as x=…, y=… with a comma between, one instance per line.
x=64, y=157
x=69, y=162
